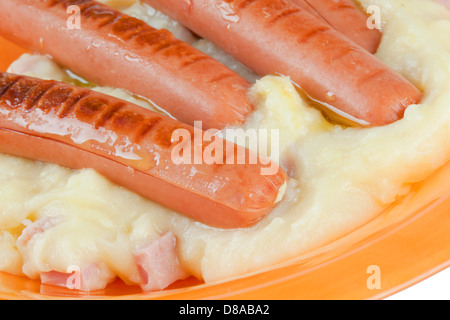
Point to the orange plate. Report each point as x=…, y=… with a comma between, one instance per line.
x=407, y=243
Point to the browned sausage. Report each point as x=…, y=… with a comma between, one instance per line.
x=347, y=18
x=132, y=146
x=307, y=7
x=277, y=36
x=113, y=49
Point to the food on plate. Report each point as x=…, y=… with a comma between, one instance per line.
x=134, y=147
x=326, y=65
x=157, y=263
x=187, y=83
x=77, y=228
x=347, y=18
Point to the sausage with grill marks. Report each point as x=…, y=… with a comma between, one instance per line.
x=347, y=18
x=279, y=37
x=114, y=49
x=132, y=146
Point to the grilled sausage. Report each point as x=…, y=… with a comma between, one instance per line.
x=113, y=49
x=279, y=37
x=132, y=146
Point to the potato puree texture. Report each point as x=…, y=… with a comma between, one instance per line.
x=340, y=177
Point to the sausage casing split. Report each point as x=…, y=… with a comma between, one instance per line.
x=113, y=49
x=279, y=37
x=132, y=146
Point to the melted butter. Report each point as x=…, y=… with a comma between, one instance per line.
x=77, y=80
x=332, y=114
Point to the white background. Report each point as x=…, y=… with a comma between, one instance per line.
x=436, y=287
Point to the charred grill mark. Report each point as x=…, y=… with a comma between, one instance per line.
x=65, y=101
x=109, y=113
x=6, y=82
x=105, y=16
x=172, y=46
x=97, y=10
x=54, y=99
x=128, y=27
x=90, y=109
x=371, y=76
x=146, y=127
x=134, y=125
x=152, y=37
x=244, y=4
x=66, y=3
x=70, y=104
x=158, y=39
x=165, y=45
x=52, y=3
x=221, y=77
x=163, y=135
x=283, y=14
x=162, y=41
x=107, y=20
x=29, y=94
x=126, y=120
x=91, y=9
x=312, y=34
x=341, y=53
x=185, y=54
x=38, y=91
x=17, y=94
x=194, y=59
x=343, y=5
x=122, y=25
x=100, y=113
x=141, y=34
x=82, y=4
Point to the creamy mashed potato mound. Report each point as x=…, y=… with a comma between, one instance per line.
x=341, y=177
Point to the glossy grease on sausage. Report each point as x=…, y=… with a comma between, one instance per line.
x=279, y=37
x=113, y=49
x=347, y=18
x=132, y=146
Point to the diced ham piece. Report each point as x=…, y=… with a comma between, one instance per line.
x=33, y=228
x=158, y=263
x=55, y=278
x=89, y=278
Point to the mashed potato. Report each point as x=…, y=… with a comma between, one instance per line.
x=341, y=177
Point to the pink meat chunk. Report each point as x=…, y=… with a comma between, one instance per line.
x=33, y=228
x=158, y=263
x=84, y=279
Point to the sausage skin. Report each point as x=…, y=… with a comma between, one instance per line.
x=307, y=7
x=348, y=19
x=113, y=49
x=132, y=146
x=279, y=37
